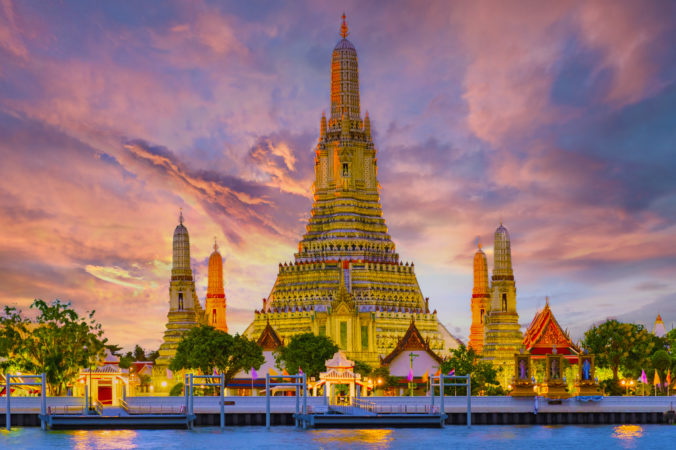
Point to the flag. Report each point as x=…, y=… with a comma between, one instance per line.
x=669, y=378
x=643, y=379
x=426, y=376
x=410, y=375
x=284, y=372
x=300, y=371
x=438, y=372
x=452, y=372
x=254, y=375
x=656, y=381
x=272, y=371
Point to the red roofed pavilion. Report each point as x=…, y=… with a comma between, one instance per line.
x=544, y=333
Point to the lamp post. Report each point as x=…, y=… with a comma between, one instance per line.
x=89, y=406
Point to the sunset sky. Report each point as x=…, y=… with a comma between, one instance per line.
x=558, y=118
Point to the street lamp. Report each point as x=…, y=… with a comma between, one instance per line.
x=89, y=406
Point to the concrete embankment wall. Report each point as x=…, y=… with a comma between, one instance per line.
x=247, y=411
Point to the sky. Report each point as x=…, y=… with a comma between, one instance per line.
x=556, y=118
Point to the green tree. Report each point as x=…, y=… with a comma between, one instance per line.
x=139, y=353
x=662, y=362
x=205, y=348
x=622, y=346
x=362, y=368
x=483, y=376
x=382, y=378
x=58, y=342
x=308, y=352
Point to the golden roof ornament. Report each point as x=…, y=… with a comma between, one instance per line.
x=343, y=28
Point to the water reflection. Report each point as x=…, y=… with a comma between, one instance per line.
x=628, y=434
x=103, y=439
x=376, y=438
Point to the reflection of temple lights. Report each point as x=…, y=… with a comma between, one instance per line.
x=628, y=432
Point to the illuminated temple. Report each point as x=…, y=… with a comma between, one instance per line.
x=495, y=331
x=185, y=310
x=346, y=280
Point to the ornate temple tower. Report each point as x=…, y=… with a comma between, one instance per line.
x=502, y=336
x=215, y=302
x=346, y=281
x=480, y=301
x=185, y=310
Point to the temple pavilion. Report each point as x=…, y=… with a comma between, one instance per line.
x=544, y=334
x=346, y=280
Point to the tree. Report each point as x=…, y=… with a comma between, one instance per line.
x=362, y=368
x=622, y=346
x=308, y=352
x=58, y=342
x=382, y=378
x=205, y=348
x=662, y=362
x=139, y=353
x=484, y=377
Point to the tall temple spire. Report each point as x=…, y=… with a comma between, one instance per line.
x=502, y=257
x=215, y=307
x=344, y=80
x=346, y=279
x=180, y=269
x=502, y=332
x=480, y=300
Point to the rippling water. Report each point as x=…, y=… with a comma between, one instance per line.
x=477, y=437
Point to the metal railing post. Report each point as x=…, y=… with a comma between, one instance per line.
x=469, y=401
x=85, y=408
x=185, y=392
x=297, y=383
x=8, y=413
x=442, y=409
x=432, y=392
x=190, y=412
x=222, y=400
x=43, y=402
x=267, y=401
x=304, y=394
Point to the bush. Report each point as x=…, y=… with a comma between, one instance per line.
x=176, y=390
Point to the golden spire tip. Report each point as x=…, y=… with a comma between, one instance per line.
x=343, y=28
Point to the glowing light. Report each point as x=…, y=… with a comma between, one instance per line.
x=163, y=384
x=628, y=432
x=151, y=388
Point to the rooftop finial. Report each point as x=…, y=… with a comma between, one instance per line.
x=180, y=216
x=215, y=244
x=343, y=28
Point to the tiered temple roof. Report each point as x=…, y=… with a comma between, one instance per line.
x=412, y=340
x=346, y=280
x=544, y=334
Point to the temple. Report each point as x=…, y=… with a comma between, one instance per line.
x=502, y=333
x=544, y=334
x=481, y=298
x=215, y=302
x=346, y=280
x=185, y=311
x=659, y=329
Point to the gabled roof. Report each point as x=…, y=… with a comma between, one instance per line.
x=412, y=340
x=545, y=333
x=269, y=340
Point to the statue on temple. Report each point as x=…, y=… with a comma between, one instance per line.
x=522, y=384
x=555, y=384
x=587, y=386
